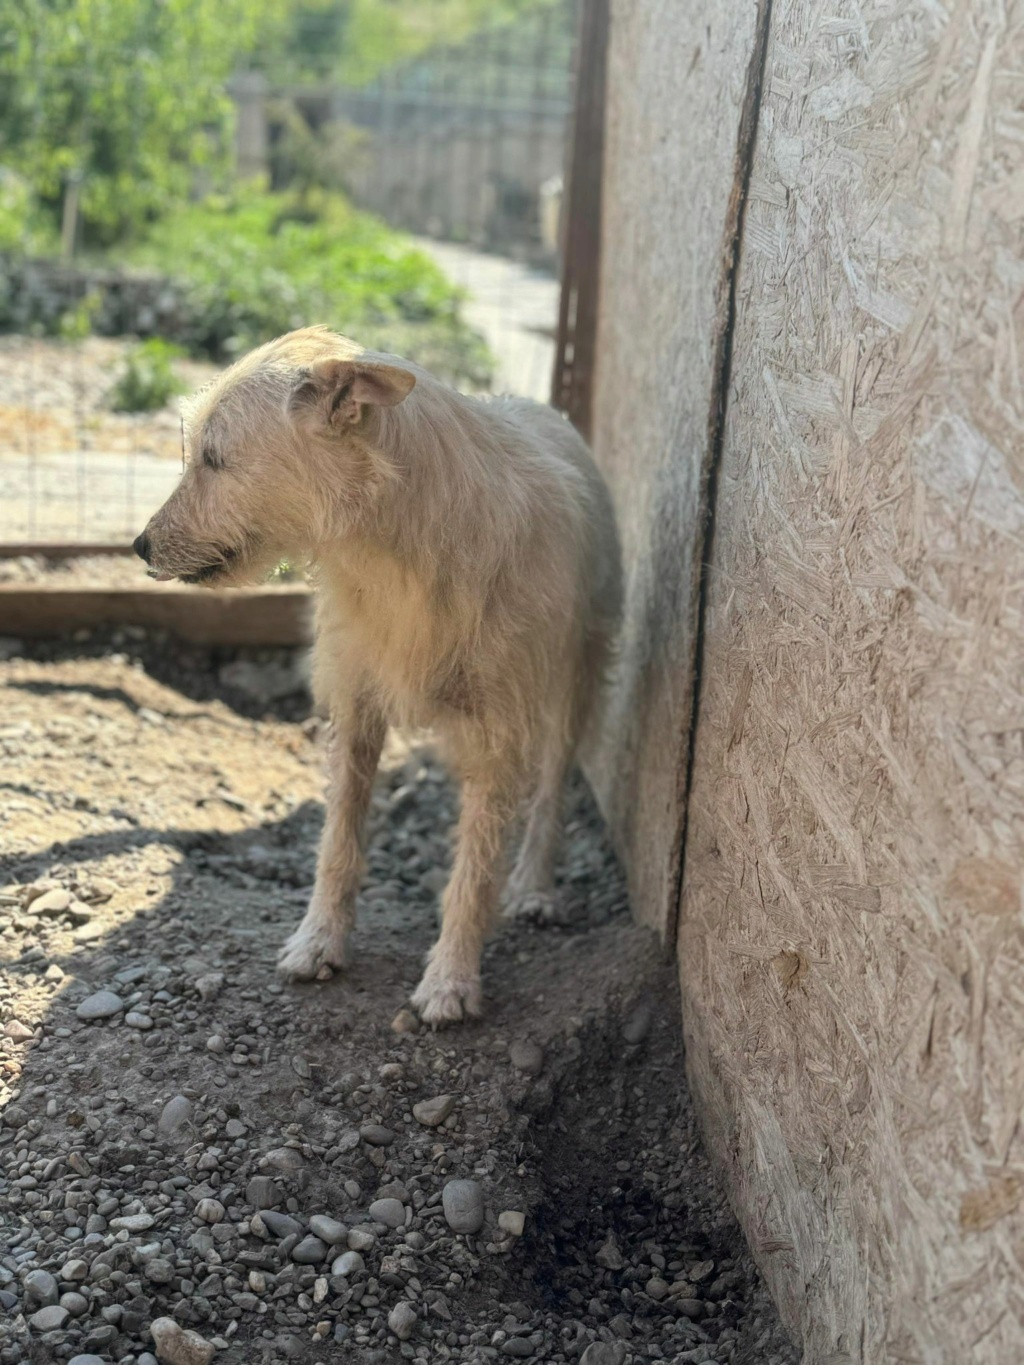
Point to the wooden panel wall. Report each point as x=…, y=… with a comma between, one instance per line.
x=851, y=938
x=679, y=78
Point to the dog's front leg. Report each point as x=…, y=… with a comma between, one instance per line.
x=450, y=988
x=353, y=757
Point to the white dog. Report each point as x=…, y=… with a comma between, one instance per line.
x=468, y=577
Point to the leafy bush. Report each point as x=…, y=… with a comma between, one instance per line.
x=148, y=380
x=254, y=265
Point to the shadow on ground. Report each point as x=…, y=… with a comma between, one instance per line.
x=137, y=1148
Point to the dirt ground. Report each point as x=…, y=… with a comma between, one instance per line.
x=269, y=1166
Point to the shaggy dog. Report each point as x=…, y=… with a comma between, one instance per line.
x=468, y=581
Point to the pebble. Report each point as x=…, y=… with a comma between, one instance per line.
x=405, y=1022
x=402, y=1319
x=689, y=1308
x=362, y=1239
x=75, y=1304
x=512, y=1221
x=100, y=1005
x=377, y=1135
x=286, y=1160
x=433, y=1112
x=263, y=1192
x=215, y=1043
x=210, y=1210
x=178, y=1346
x=604, y=1353
x=41, y=1288
x=310, y=1251
x=328, y=1230
x=279, y=1224
x=175, y=1113
x=17, y=1031
x=638, y=1025
x=49, y=1319
x=527, y=1056
x=609, y=1256
x=390, y=1212
x=348, y=1263
x=51, y=903
x=86, y=1360
x=132, y=1222
x=140, y=1021
x=463, y=1203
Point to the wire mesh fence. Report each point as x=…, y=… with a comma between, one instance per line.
x=461, y=147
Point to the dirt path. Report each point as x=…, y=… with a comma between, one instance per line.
x=210, y=1147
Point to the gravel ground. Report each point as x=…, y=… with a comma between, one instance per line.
x=202, y=1163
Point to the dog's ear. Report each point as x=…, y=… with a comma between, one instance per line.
x=337, y=389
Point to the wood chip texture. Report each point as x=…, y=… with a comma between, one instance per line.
x=676, y=84
x=852, y=940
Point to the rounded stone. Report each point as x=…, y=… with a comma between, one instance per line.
x=279, y=1224
x=377, y=1135
x=463, y=1204
x=527, y=1056
x=210, y=1211
x=329, y=1230
x=263, y=1192
x=433, y=1112
x=348, y=1263
x=49, y=1319
x=74, y=1304
x=86, y=1360
x=512, y=1221
x=310, y=1251
x=390, y=1212
x=175, y=1113
x=41, y=1288
x=402, y=1319
x=101, y=1005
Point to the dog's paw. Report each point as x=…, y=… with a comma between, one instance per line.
x=310, y=949
x=440, y=999
x=535, y=907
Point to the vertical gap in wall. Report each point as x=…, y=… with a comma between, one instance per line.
x=732, y=245
x=576, y=343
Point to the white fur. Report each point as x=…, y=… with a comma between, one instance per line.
x=468, y=580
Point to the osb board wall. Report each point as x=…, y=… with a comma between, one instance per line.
x=677, y=78
x=851, y=936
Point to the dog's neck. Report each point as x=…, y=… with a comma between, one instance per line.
x=451, y=494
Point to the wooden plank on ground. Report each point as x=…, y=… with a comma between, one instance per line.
x=263, y=616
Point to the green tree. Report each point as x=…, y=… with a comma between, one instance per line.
x=128, y=95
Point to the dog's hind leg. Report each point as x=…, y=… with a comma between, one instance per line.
x=353, y=757
x=534, y=872
x=450, y=988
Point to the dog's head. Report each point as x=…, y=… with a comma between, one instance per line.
x=281, y=457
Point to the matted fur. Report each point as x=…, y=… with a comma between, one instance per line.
x=468, y=580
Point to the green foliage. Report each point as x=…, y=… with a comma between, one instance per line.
x=22, y=226
x=127, y=93
x=355, y=40
x=254, y=265
x=147, y=381
x=76, y=323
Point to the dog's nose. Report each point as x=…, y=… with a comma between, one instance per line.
x=141, y=546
